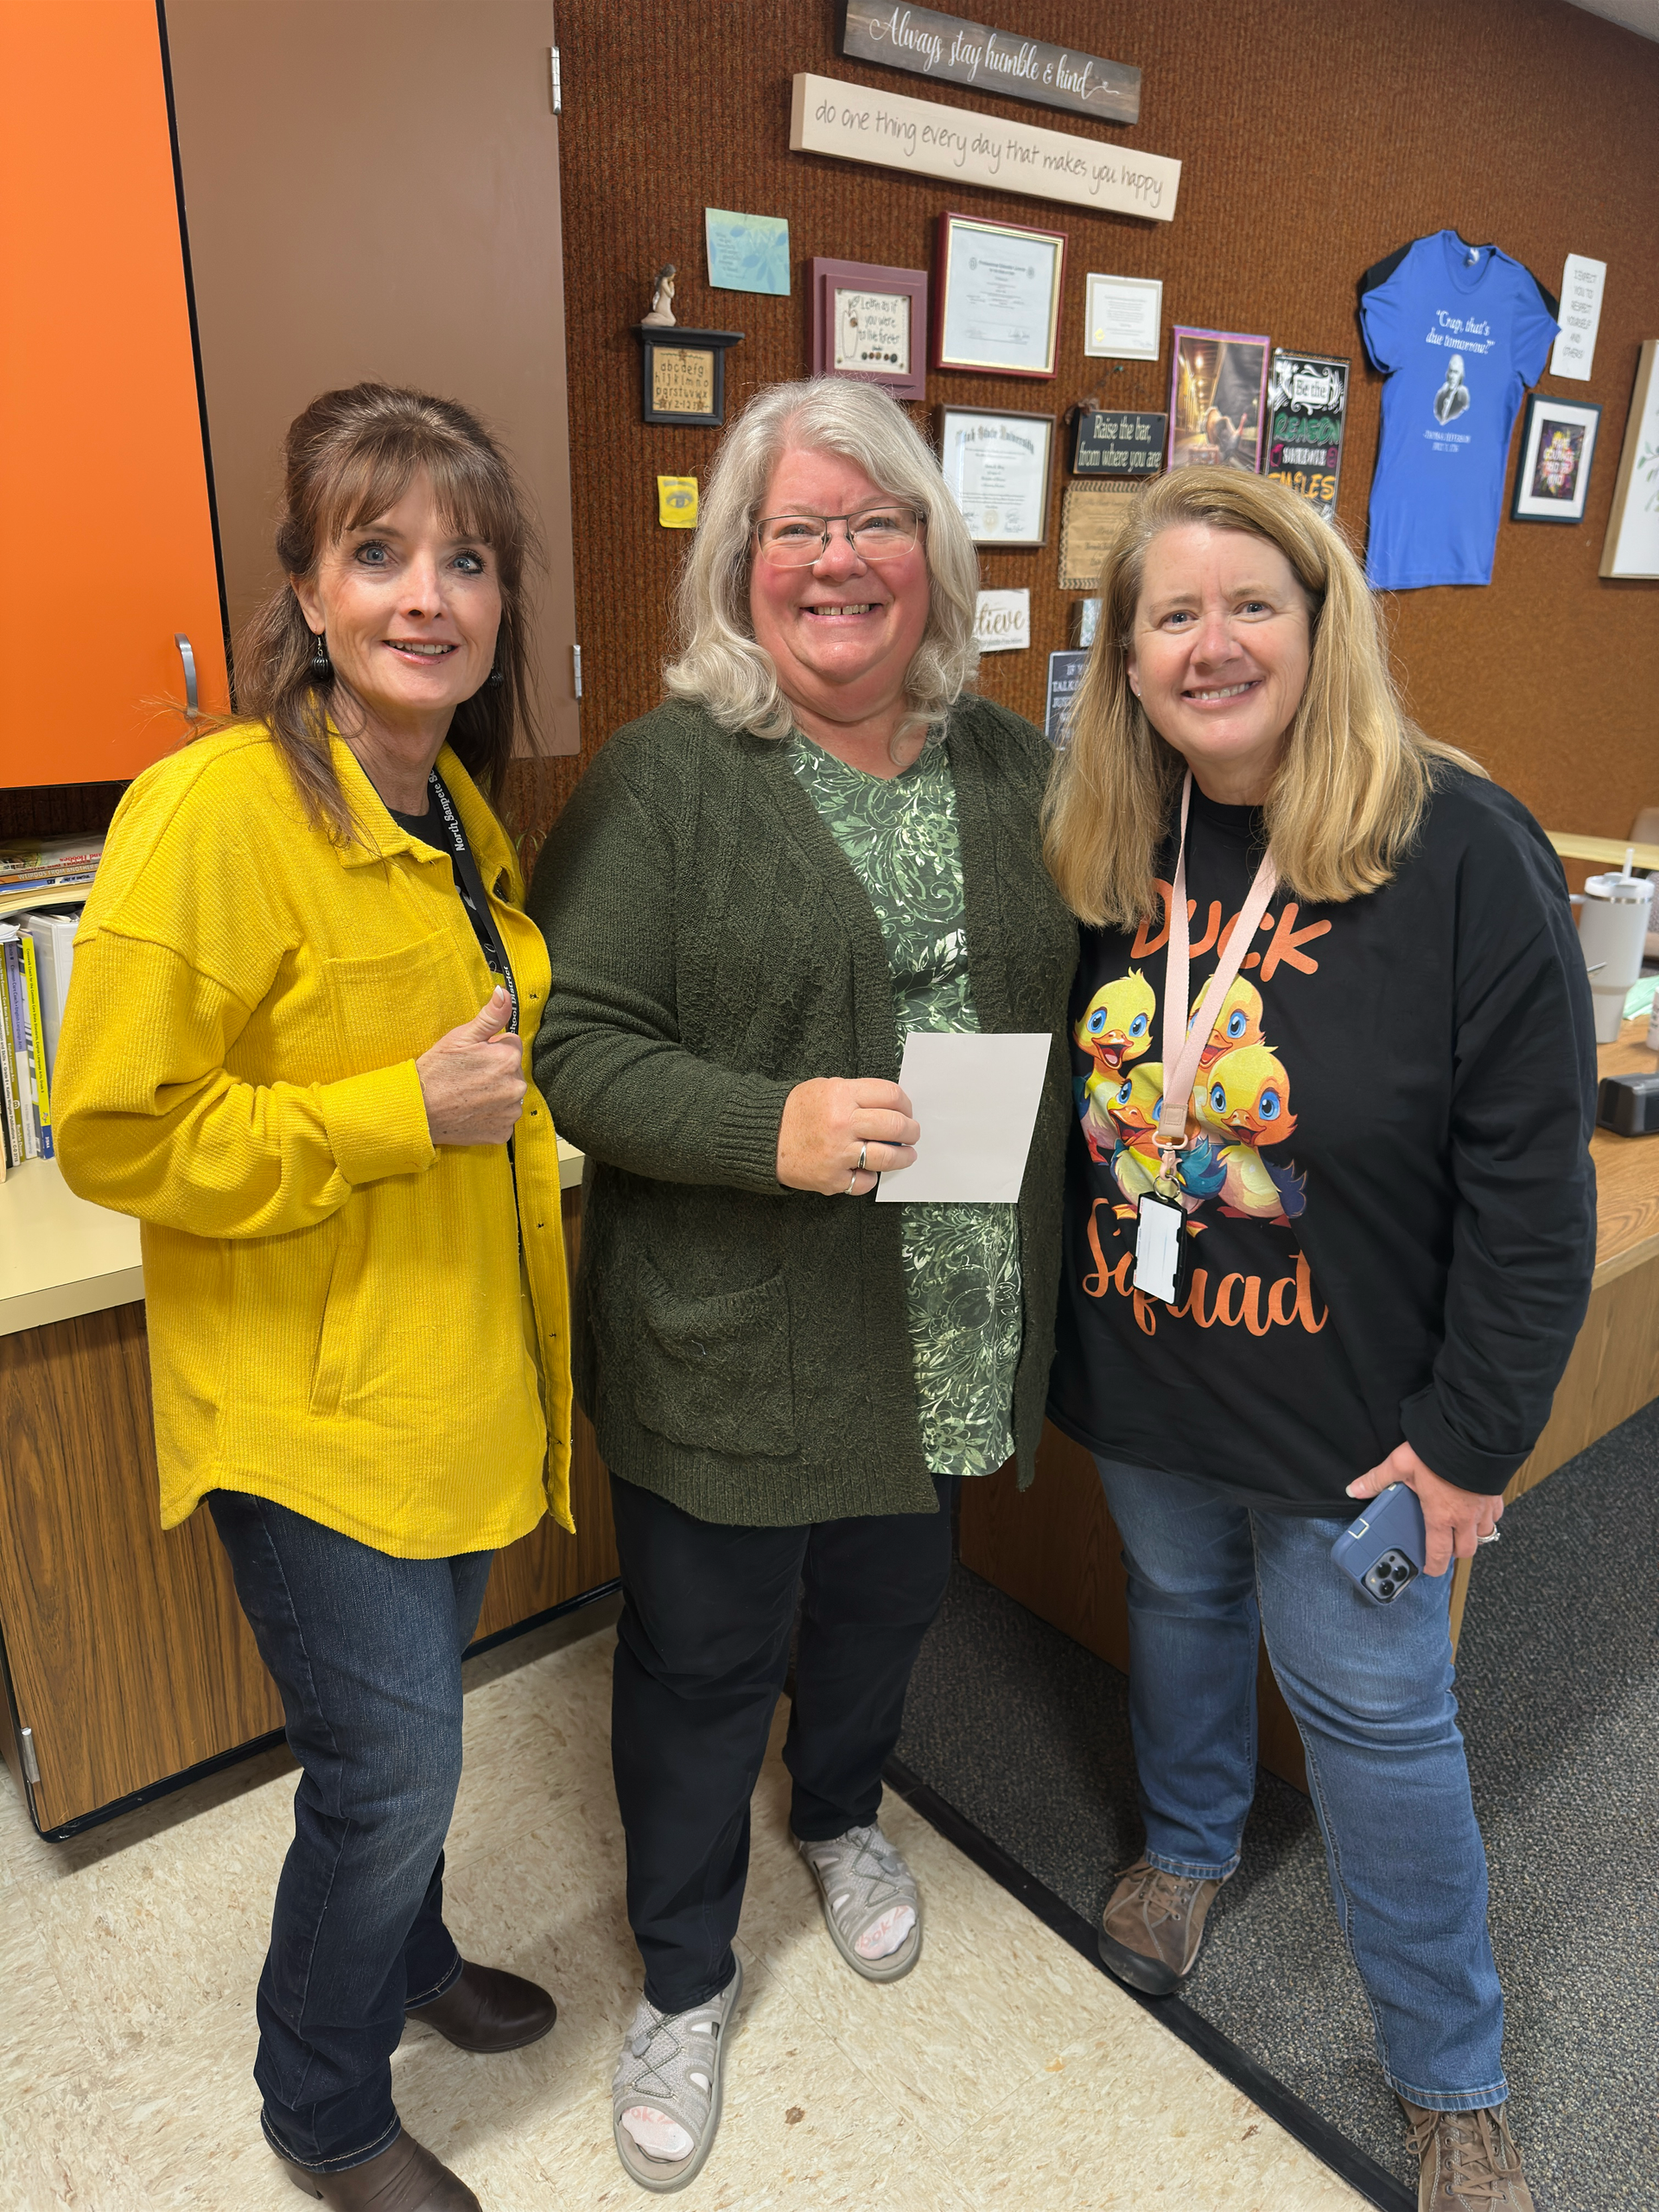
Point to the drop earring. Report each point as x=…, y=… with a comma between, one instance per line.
x=498, y=673
x=321, y=667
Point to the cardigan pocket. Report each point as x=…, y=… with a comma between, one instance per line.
x=713, y=1373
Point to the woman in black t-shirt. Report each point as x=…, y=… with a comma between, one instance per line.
x=1374, y=1168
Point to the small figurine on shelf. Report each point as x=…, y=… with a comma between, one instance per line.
x=662, y=300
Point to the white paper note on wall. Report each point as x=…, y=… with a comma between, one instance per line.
x=976, y=1099
x=1582, y=281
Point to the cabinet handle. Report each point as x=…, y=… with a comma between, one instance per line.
x=191, y=708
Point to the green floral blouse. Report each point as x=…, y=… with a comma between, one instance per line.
x=962, y=1262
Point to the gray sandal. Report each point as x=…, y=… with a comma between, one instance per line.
x=674, y=2062
x=862, y=1877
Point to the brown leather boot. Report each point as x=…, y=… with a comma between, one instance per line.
x=486, y=2009
x=1467, y=2162
x=1153, y=1927
x=406, y=2178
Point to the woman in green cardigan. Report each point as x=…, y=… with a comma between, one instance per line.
x=819, y=843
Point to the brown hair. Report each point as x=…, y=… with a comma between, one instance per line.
x=1355, y=773
x=350, y=456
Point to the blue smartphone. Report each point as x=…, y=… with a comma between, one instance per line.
x=1383, y=1549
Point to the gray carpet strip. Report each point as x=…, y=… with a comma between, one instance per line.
x=1026, y=1735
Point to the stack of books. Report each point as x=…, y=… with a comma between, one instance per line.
x=32, y=872
x=41, y=887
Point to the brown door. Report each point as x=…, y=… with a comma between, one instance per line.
x=372, y=189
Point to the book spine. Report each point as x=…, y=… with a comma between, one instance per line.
x=37, y=1048
x=11, y=1120
x=17, y=1017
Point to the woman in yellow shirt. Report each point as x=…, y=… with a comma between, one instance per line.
x=294, y=1051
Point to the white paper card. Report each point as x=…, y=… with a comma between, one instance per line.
x=1123, y=320
x=1582, y=282
x=976, y=1099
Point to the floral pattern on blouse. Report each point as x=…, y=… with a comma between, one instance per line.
x=962, y=1262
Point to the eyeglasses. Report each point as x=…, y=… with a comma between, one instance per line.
x=874, y=534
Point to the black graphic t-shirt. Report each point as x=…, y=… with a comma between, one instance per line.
x=1387, y=1179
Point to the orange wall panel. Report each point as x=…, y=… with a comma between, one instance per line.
x=109, y=546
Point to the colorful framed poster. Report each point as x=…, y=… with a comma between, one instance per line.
x=869, y=323
x=1217, y=381
x=1307, y=418
x=996, y=299
x=1558, y=443
x=1631, y=547
x=996, y=464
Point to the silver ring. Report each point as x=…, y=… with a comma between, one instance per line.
x=1490, y=1536
x=862, y=1149
x=851, y=1179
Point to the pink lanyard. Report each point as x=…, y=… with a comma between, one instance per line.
x=1182, y=1050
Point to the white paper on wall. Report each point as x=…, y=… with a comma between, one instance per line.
x=1582, y=282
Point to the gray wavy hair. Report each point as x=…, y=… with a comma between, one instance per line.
x=720, y=665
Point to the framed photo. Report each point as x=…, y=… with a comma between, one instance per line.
x=996, y=297
x=1217, y=385
x=1631, y=547
x=1123, y=317
x=997, y=465
x=869, y=323
x=1558, y=443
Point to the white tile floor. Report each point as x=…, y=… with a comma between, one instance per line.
x=1004, y=2073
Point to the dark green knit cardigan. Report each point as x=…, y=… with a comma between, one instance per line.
x=742, y=1349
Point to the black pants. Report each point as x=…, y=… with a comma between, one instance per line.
x=703, y=1648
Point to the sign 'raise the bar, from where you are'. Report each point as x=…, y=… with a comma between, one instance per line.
x=946, y=48
x=928, y=139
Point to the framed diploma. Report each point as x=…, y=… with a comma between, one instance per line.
x=870, y=323
x=996, y=297
x=997, y=466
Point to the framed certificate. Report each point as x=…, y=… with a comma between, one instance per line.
x=1123, y=317
x=996, y=297
x=1557, y=446
x=870, y=323
x=997, y=466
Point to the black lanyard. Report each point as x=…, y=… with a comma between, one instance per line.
x=495, y=952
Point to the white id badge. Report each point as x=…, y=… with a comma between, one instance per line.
x=1159, y=1251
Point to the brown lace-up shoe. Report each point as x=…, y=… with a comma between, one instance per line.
x=486, y=2008
x=406, y=2178
x=1153, y=1927
x=1468, y=2162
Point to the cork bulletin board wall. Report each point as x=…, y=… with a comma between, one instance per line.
x=1315, y=140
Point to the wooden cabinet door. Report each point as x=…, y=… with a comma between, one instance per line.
x=372, y=190
x=108, y=550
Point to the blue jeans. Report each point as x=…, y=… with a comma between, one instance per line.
x=366, y=1650
x=1371, y=1687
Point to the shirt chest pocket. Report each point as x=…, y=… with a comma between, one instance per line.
x=387, y=1007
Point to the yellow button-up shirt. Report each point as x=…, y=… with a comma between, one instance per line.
x=338, y=1317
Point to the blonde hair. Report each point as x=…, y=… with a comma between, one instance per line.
x=720, y=664
x=1355, y=773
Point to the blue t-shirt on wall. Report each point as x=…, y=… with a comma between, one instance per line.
x=1460, y=331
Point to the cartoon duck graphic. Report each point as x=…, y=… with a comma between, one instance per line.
x=1134, y=1108
x=1115, y=1028
x=1237, y=1023
x=1247, y=1104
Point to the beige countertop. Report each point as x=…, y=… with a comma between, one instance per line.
x=59, y=1257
